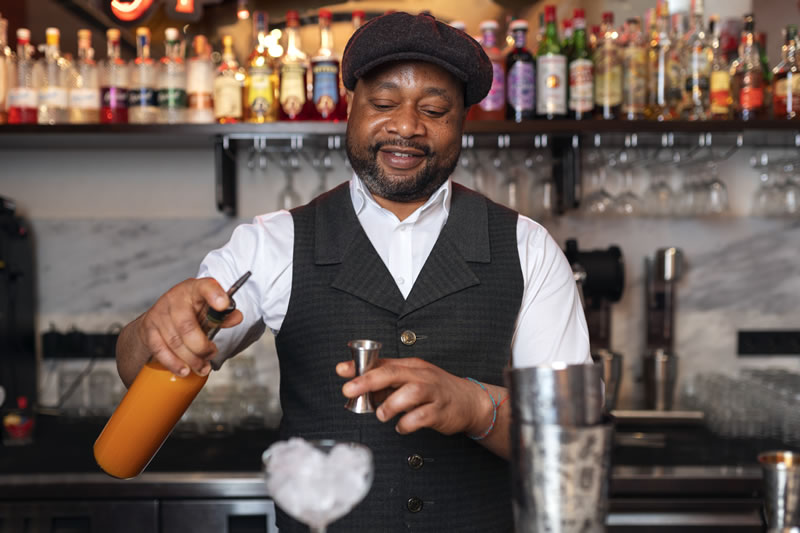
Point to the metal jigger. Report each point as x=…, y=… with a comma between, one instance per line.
x=365, y=355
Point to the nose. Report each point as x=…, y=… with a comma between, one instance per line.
x=405, y=122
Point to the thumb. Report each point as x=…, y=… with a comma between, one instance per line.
x=209, y=291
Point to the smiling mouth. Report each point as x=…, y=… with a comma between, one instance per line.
x=401, y=157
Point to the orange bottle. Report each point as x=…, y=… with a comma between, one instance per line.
x=154, y=403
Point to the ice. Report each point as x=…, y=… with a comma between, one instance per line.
x=313, y=486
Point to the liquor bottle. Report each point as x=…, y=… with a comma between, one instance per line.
x=294, y=101
x=23, y=97
x=677, y=95
x=634, y=72
x=607, y=72
x=113, y=83
x=261, y=83
x=720, y=90
x=200, y=83
x=761, y=41
x=493, y=106
x=551, y=72
x=172, y=98
x=358, y=19
x=594, y=37
x=228, y=86
x=659, y=106
x=699, y=57
x=581, y=71
x=84, y=92
x=786, y=80
x=325, y=72
x=53, y=99
x=521, y=78
x=747, y=77
x=568, y=33
x=143, y=93
x=540, y=33
x=5, y=70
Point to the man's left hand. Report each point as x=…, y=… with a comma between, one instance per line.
x=424, y=394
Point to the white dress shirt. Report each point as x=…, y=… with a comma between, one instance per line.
x=550, y=324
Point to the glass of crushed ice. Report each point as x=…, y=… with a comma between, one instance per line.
x=317, y=482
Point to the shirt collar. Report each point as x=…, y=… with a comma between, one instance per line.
x=361, y=197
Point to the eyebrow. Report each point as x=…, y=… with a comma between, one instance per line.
x=429, y=91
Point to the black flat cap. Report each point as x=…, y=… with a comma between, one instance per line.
x=401, y=36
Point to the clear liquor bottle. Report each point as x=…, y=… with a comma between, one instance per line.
x=551, y=72
x=699, y=57
x=677, y=94
x=228, y=86
x=200, y=83
x=521, y=77
x=53, y=97
x=721, y=101
x=143, y=94
x=84, y=92
x=607, y=72
x=294, y=101
x=568, y=33
x=261, y=83
x=747, y=77
x=114, y=83
x=23, y=95
x=634, y=72
x=786, y=80
x=581, y=71
x=659, y=105
x=493, y=106
x=5, y=70
x=172, y=100
x=325, y=72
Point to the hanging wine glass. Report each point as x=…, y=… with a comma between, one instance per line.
x=323, y=164
x=598, y=201
x=542, y=189
x=289, y=198
x=716, y=193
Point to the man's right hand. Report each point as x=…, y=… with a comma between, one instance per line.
x=170, y=331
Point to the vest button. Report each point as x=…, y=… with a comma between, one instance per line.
x=408, y=337
x=414, y=504
x=415, y=461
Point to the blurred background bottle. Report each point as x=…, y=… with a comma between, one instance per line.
x=200, y=83
x=521, y=76
x=607, y=72
x=634, y=72
x=294, y=101
x=5, y=70
x=786, y=79
x=142, y=96
x=325, y=72
x=53, y=99
x=261, y=83
x=581, y=71
x=113, y=83
x=699, y=58
x=659, y=105
x=84, y=92
x=747, y=76
x=23, y=96
x=228, y=86
x=551, y=71
x=172, y=100
x=720, y=78
x=493, y=106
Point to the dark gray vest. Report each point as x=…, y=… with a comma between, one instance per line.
x=462, y=309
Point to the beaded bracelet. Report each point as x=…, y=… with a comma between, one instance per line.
x=494, y=411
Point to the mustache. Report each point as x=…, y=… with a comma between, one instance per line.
x=400, y=143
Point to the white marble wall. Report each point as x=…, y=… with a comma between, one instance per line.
x=137, y=222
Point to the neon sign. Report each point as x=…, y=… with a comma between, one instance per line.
x=130, y=11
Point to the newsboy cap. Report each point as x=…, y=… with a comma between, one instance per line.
x=401, y=36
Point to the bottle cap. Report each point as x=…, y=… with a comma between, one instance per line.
x=608, y=17
x=227, y=41
x=112, y=34
x=292, y=16
x=459, y=25
x=325, y=14
x=358, y=13
x=142, y=30
x=487, y=25
x=549, y=13
x=84, y=34
x=579, y=13
x=52, y=35
x=518, y=25
x=23, y=36
x=171, y=34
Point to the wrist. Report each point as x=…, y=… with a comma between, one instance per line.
x=484, y=412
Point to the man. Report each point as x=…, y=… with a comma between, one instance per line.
x=452, y=285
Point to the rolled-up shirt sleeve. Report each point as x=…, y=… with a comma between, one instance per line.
x=551, y=325
x=265, y=248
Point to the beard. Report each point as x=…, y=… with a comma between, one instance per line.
x=420, y=186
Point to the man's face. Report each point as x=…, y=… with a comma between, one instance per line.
x=404, y=129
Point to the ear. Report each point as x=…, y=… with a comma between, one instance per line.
x=350, y=96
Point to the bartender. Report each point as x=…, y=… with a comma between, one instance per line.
x=454, y=286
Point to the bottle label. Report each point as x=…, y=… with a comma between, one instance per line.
x=53, y=97
x=201, y=101
x=634, y=81
x=551, y=86
x=720, y=92
x=227, y=97
x=326, y=87
x=497, y=93
x=751, y=97
x=675, y=87
x=142, y=97
x=22, y=97
x=261, y=94
x=83, y=98
x=521, y=88
x=293, y=89
x=172, y=98
x=608, y=80
x=114, y=97
x=581, y=97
